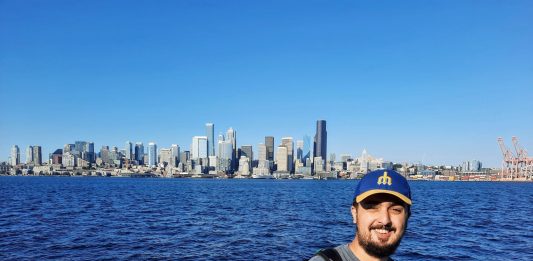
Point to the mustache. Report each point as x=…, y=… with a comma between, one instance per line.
x=387, y=227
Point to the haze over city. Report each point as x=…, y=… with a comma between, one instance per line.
x=413, y=81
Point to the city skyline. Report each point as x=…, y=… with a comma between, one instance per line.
x=416, y=81
x=287, y=143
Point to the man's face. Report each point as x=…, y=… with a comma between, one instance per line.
x=381, y=222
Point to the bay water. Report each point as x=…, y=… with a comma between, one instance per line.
x=210, y=219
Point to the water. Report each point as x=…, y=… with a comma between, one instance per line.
x=185, y=219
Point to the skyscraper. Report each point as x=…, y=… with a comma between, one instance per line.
x=246, y=150
x=175, y=148
x=306, y=149
x=269, y=142
x=15, y=155
x=165, y=156
x=199, y=147
x=299, y=150
x=262, y=151
x=139, y=152
x=225, y=156
x=289, y=144
x=29, y=155
x=129, y=150
x=282, y=159
x=152, y=154
x=321, y=140
x=231, y=136
x=37, y=155
x=210, y=133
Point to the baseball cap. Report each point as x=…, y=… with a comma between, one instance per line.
x=383, y=181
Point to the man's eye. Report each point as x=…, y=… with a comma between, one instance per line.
x=397, y=210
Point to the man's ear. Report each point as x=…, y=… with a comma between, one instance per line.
x=354, y=214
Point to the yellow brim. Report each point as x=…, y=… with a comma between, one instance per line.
x=377, y=191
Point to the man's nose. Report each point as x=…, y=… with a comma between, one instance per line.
x=384, y=217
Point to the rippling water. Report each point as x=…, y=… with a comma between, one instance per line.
x=185, y=219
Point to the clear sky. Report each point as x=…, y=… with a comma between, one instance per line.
x=420, y=81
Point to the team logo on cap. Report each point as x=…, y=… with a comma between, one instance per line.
x=385, y=179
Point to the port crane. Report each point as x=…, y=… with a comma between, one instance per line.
x=519, y=166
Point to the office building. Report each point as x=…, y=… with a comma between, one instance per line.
x=210, y=134
x=299, y=150
x=282, y=159
x=175, y=148
x=152, y=154
x=262, y=152
x=269, y=142
x=15, y=155
x=289, y=144
x=129, y=150
x=139, y=153
x=321, y=140
x=306, y=151
x=37, y=155
x=199, y=148
x=246, y=150
x=231, y=136
x=29, y=155
x=225, y=156
x=165, y=156
x=57, y=157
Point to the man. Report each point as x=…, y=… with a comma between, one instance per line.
x=380, y=210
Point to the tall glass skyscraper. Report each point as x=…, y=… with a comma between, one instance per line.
x=269, y=143
x=139, y=152
x=210, y=133
x=321, y=140
x=306, y=148
x=129, y=150
x=152, y=154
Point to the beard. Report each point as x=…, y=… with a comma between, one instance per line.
x=375, y=249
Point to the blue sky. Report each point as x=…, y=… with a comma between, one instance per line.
x=429, y=81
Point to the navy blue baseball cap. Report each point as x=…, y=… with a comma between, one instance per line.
x=383, y=181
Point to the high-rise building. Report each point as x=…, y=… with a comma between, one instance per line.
x=15, y=155
x=225, y=156
x=262, y=151
x=165, y=156
x=210, y=133
x=129, y=150
x=199, y=148
x=246, y=150
x=282, y=159
x=152, y=154
x=299, y=150
x=139, y=153
x=37, y=155
x=185, y=156
x=69, y=148
x=306, y=149
x=269, y=142
x=29, y=155
x=175, y=148
x=289, y=144
x=80, y=146
x=231, y=136
x=321, y=140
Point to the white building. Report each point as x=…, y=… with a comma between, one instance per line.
x=199, y=147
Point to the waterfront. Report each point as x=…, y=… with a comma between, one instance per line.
x=197, y=219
